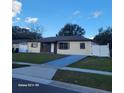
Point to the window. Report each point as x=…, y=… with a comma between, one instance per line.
x=63, y=45
x=34, y=45
x=82, y=45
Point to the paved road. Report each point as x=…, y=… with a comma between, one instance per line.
x=36, y=88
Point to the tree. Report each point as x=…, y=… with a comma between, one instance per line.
x=71, y=30
x=36, y=28
x=104, y=37
x=24, y=33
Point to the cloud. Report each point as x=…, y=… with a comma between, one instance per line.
x=95, y=14
x=31, y=20
x=18, y=19
x=16, y=7
x=26, y=28
x=75, y=14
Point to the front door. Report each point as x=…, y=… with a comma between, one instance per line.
x=45, y=47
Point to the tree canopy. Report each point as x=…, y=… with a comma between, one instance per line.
x=71, y=30
x=104, y=37
x=23, y=33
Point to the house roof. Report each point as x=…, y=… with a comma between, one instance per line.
x=24, y=40
x=65, y=38
x=55, y=39
x=18, y=41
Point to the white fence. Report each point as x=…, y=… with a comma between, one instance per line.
x=23, y=48
x=100, y=50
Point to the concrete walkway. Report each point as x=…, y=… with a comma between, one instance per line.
x=87, y=70
x=65, y=61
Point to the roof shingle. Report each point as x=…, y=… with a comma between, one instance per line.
x=56, y=39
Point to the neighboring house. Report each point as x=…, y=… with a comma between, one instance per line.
x=31, y=46
x=70, y=45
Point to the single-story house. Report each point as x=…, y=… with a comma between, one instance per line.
x=70, y=45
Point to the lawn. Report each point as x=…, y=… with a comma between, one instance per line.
x=96, y=63
x=36, y=58
x=18, y=65
x=85, y=79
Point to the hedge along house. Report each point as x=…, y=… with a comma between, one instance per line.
x=70, y=45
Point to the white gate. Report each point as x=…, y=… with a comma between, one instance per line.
x=100, y=50
x=23, y=48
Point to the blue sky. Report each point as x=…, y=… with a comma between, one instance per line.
x=54, y=14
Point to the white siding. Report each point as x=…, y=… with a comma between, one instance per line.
x=75, y=48
x=32, y=49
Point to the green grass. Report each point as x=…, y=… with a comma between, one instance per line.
x=85, y=79
x=36, y=58
x=96, y=63
x=18, y=65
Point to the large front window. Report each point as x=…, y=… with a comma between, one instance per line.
x=63, y=45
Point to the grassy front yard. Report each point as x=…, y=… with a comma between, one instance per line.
x=36, y=58
x=96, y=63
x=85, y=79
x=18, y=65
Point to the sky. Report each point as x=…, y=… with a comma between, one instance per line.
x=52, y=15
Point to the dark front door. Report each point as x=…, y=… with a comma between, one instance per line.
x=45, y=47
